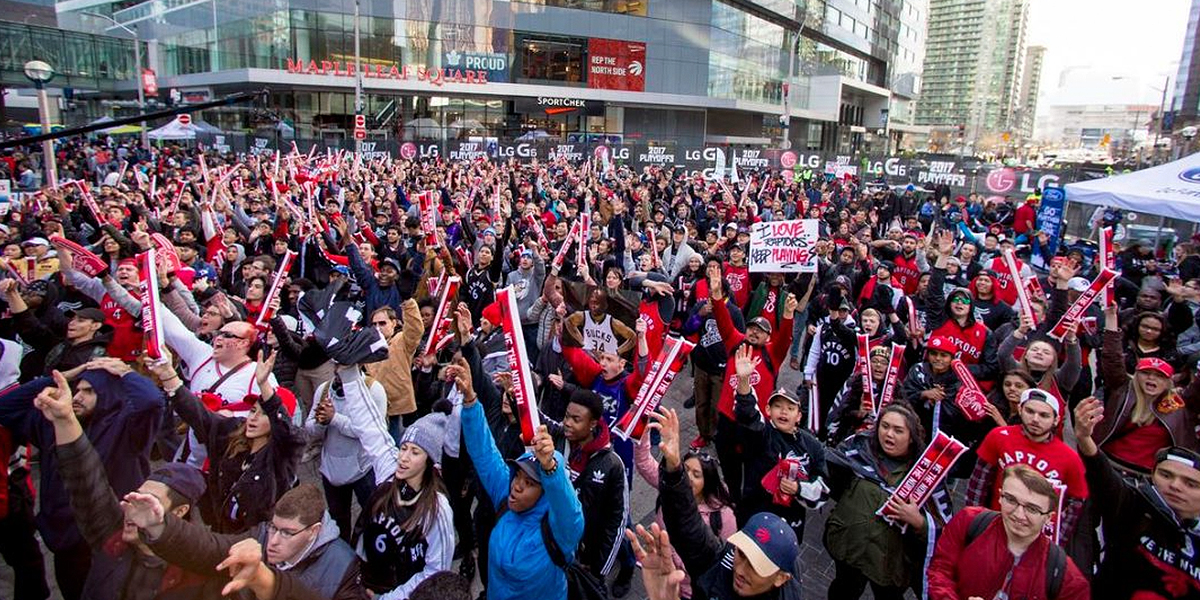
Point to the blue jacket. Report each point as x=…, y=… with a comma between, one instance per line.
x=121, y=428
x=518, y=565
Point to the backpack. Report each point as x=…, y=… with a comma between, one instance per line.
x=1056, y=558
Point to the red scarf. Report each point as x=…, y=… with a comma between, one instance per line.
x=580, y=456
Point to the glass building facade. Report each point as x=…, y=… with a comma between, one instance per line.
x=628, y=66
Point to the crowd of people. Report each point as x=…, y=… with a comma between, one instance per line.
x=155, y=414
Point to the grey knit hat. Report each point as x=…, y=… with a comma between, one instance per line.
x=428, y=434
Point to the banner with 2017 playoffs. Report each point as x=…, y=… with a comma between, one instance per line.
x=784, y=246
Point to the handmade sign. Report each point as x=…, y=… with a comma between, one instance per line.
x=524, y=397
x=632, y=424
x=783, y=246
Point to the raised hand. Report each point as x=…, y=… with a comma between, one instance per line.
x=461, y=372
x=113, y=366
x=145, y=511
x=543, y=449
x=666, y=421
x=652, y=548
x=745, y=361
x=56, y=402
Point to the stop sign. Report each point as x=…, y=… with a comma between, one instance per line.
x=360, y=133
x=185, y=119
x=360, y=122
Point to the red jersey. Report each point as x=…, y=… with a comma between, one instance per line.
x=126, y=342
x=907, y=273
x=1005, y=446
x=763, y=377
x=656, y=332
x=738, y=279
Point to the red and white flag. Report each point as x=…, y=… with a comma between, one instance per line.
x=1010, y=263
x=632, y=424
x=1075, y=311
x=927, y=473
x=425, y=200
x=1108, y=260
x=524, y=397
x=447, y=292
x=892, y=378
x=83, y=259
x=151, y=307
x=285, y=265
x=867, y=403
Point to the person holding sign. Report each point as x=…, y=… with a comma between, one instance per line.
x=865, y=547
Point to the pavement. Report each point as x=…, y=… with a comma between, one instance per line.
x=818, y=571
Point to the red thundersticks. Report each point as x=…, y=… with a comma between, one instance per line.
x=632, y=424
x=524, y=397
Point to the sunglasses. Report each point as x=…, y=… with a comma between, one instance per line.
x=960, y=300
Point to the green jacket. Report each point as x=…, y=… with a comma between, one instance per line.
x=855, y=535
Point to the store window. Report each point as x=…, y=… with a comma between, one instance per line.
x=624, y=7
x=542, y=58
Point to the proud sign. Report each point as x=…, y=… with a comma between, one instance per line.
x=784, y=246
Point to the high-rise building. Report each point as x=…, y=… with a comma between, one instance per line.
x=974, y=68
x=1186, y=101
x=1031, y=80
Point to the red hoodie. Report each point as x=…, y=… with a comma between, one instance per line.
x=763, y=378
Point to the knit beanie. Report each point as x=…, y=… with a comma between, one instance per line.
x=427, y=434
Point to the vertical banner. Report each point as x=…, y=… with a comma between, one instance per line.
x=524, y=397
x=867, y=403
x=892, y=378
x=813, y=418
x=1010, y=263
x=1108, y=260
x=285, y=265
x=446, y=292
x=561, y=257
x=585, y=232
x=151, y=324
x=1050, y=215
x=632, y=424
x=425, y=201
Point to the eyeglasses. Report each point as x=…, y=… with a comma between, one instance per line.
x=285, y=533
x=1011, y=501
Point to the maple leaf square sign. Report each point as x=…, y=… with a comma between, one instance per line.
x=616, y=65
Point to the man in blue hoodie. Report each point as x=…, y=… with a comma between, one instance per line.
x=120, y=412
x=532, y=489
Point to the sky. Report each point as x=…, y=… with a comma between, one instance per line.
x=1089, y=42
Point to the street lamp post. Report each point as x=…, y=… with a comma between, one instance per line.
x=40, y=73
x=137, y=70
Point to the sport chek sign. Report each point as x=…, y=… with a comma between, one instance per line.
x=616, y=65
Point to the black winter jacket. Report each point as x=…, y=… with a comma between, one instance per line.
x=600, y=486
x=707, y=558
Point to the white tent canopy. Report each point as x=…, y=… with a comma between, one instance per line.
x=1170, y=190
x=174, y=131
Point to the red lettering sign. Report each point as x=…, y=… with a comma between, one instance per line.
x=616, y=65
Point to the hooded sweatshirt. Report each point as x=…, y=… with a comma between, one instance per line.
x=121, y=427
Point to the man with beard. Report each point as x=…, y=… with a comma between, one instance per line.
x=119, y=411
x=1033, y=443
x=909, y=264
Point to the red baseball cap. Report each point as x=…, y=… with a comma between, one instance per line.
x=941, y=343
x=1156, y=364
